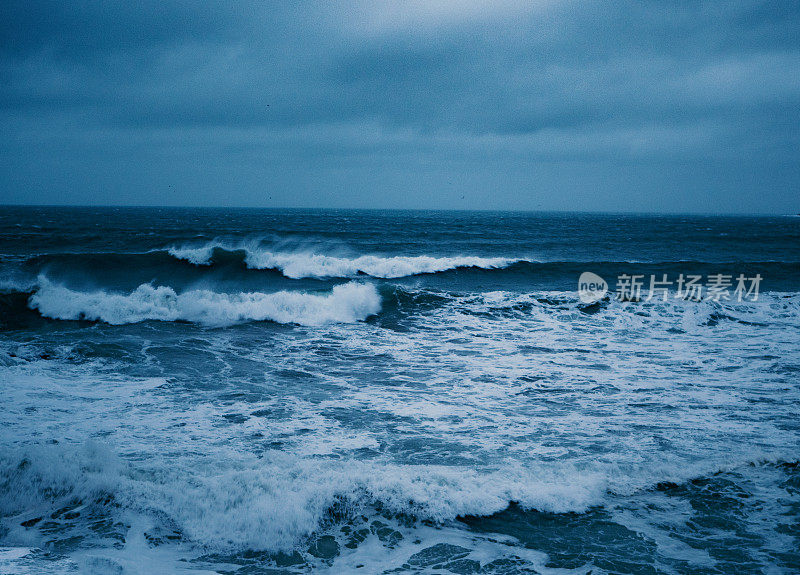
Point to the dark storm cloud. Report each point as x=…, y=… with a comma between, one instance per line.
x=530, y=104
x=78, y=30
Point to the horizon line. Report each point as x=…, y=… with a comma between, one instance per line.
x=363, y=209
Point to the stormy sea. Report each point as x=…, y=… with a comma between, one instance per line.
x=288, y=391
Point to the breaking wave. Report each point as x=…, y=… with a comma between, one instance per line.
x=346, y=303
x=298, y=265
x=237, y=506
x=357, y=301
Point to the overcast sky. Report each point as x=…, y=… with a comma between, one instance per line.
x=553, y=105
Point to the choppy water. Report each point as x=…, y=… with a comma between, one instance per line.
x=243, y=391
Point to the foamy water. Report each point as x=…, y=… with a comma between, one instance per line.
x=345, y=303
x=310, y=264
x=368, y=425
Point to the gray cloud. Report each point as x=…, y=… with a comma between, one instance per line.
x=684, y=106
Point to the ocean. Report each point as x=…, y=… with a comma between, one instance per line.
x=249, y=391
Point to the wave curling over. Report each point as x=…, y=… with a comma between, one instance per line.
x=309, y=264
x=346, y=303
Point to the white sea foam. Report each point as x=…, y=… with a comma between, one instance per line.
x=199, y=256
x=302, y=265
x=16, y=284
x=310, y=264
x=483, y=400
x=231, y=500
x=346, y=303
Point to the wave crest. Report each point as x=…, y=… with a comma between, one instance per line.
x=198, y=256
x=347, y=303
x=297, y=265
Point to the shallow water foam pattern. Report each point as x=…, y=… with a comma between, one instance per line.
x=249, y=438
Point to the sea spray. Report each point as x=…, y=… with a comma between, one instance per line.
x=345, y=303
x=310, y=264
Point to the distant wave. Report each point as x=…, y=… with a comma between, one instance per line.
x=198, y=256
x=298, y=265
x=189, y=264
x=344, y=304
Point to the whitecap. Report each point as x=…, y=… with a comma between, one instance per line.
x=346, y=303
